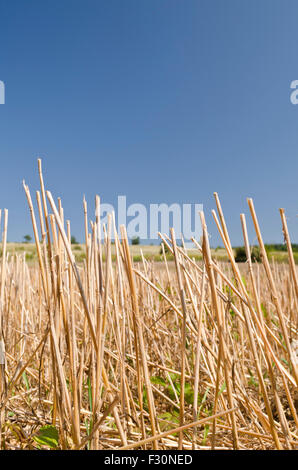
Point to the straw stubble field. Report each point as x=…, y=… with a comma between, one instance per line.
x=116, y=354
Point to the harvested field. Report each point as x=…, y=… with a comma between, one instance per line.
x=115, y=354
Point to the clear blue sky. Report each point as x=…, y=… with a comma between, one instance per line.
x=160, y=100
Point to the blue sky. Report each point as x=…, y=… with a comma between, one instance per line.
x=159, y=100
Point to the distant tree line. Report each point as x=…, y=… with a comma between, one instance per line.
x=240, y=253
x=281, y=247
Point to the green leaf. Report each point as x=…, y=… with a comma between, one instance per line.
x=171, y=418
x=88, y=426
x=158, y=380
x=48, y=436
x=203, y=400
x=24, y=375
x=205, y=435
x=89, y=392
x=232, y=313
x=252, y=381
x=188, y=393
x=145, y=398
x=176, y=386
x=222, y=389
x=265, y=313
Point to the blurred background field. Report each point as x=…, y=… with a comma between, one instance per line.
x=276, y=252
